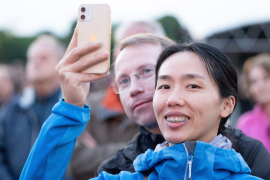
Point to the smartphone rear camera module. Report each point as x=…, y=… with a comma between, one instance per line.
x=85, y=13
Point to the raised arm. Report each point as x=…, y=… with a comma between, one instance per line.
x=52, y=150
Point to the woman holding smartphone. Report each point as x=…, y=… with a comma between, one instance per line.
x=196, y=91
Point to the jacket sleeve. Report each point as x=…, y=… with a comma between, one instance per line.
x=50, y=155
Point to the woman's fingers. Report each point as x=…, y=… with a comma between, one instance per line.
x=75, y=86
x=87, y=61
x=77, y=78
x=83, y=63
x=90, y=77
x=76, y=53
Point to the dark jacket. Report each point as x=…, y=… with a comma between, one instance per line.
x=20, y=124
x=252, y=150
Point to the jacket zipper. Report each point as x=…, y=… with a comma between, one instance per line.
x=189, y=164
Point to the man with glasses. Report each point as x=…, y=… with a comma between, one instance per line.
x=135, y=84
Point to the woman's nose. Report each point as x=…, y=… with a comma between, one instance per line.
x=176, y=99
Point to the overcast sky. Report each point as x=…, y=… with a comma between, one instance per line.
x=200, y=17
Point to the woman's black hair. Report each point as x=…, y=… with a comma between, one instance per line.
x=218, y=65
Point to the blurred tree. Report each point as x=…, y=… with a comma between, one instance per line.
x=114, y=26
x=173, y=29
x=12, y=47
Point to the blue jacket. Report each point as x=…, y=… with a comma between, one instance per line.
x=51, y=153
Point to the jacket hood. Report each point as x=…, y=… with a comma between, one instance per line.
x=207, y=161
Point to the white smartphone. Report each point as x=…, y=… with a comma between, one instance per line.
x=94, y=24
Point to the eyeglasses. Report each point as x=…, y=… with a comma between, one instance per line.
x=122, y=84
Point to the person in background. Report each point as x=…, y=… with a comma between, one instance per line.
x=6, y=85
x=12, y=80
x=109, y=129
x=25, y=113
x=136, y=27
x=256, y=123
x=18, y=75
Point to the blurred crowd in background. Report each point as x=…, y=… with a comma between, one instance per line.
x=29, y=88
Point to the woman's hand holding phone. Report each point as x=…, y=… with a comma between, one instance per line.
x=75, y=84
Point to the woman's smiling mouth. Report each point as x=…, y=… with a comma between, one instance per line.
x=176, y=119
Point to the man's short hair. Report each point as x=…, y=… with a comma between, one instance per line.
x=49, y=40
x=144, y=39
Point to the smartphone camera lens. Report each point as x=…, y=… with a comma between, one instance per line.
x=82, y=17
x=83, y=9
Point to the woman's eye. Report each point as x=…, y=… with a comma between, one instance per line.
x=193, y=86
x=164, y=87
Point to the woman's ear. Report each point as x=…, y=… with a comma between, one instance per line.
x=228, y=106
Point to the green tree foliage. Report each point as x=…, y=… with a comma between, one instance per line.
x=12, y=47
x=173, y=29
